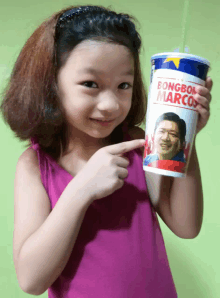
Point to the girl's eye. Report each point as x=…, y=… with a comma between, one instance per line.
x=87, y=82
x=129, y=85
x=91, y=83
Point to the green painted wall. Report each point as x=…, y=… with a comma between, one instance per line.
x=195, y=262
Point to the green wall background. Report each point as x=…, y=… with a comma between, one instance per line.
x=194, y=262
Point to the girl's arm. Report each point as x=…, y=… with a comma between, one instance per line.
x=178, y=201
x=43, y=239
x=186, y=199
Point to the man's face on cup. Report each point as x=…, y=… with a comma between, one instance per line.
x=167, y=140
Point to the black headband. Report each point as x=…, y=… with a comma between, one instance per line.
x=75, y=11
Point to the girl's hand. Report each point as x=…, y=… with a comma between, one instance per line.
x=105, y=171
x=203, y=97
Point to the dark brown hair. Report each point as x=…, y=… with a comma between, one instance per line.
x=31, y=105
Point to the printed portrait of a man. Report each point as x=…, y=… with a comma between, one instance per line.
x=169, y=139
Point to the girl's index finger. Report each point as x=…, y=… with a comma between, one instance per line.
x=124, y=147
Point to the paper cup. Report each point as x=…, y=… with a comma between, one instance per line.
x=171, y=117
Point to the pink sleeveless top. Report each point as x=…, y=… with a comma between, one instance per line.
x=120, y=251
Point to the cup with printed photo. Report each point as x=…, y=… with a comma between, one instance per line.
x=171, y=117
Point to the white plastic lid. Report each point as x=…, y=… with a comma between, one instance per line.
x=181, y=55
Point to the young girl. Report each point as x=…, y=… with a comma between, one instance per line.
x=85, y=211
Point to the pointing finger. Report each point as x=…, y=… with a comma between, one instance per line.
x=125, y=146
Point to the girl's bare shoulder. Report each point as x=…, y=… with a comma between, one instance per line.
x=29, y=160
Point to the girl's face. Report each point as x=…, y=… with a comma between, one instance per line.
x=103, y=93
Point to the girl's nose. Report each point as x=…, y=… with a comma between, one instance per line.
x=108, y=104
